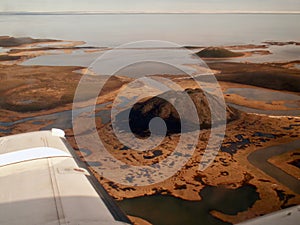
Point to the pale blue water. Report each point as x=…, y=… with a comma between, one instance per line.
x=185, y=29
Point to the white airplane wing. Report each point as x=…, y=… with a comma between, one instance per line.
x=41, y=183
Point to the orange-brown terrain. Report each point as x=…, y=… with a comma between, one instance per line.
x=27, y=93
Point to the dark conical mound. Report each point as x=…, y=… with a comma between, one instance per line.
x=141, y=113
x=214, y=52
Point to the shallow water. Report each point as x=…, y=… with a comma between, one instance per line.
x=61, y=120
x=111, y=30
x=5, y=131
x=184, y=29
x=98, y=61
x=297, y=65
x=266, y=112
x=267, y=96
x=80, y=58
x=3, y=50
x=259, y=159
x=262, y=94
x=164, y=209
x=284, y=53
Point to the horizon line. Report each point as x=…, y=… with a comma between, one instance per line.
x=147, y=12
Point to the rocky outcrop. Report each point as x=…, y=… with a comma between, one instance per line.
x=215, y=52
x=143, y=112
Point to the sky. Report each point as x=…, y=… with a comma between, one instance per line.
x=150, y=5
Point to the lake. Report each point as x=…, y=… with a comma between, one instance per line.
x=165, y=209
x=111, y=30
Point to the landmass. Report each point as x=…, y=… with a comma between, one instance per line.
x=7, y=41
x=214, y=52
x=29, y=94
x=282, y=43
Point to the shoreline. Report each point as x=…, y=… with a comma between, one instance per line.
x=28, y=48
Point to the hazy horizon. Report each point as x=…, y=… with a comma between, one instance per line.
x=154, y=6
x=150, y=12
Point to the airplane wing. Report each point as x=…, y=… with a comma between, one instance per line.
x=43, y=183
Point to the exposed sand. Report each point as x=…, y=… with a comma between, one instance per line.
x=138, y=221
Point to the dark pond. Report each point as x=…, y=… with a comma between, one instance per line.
x=169, y=210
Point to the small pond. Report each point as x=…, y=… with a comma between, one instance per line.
x=169, y=210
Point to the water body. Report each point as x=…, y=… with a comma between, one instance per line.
x=260, y=160
x=61, y=120
x=164, y=209
x=111, y=30
x=297, y=66
x=79, y=58
x=283, y=53
x=266, y=96
x=2, y=50
x=262, y=94
x=266, y=112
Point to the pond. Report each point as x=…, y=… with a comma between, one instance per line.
x=169, y=210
